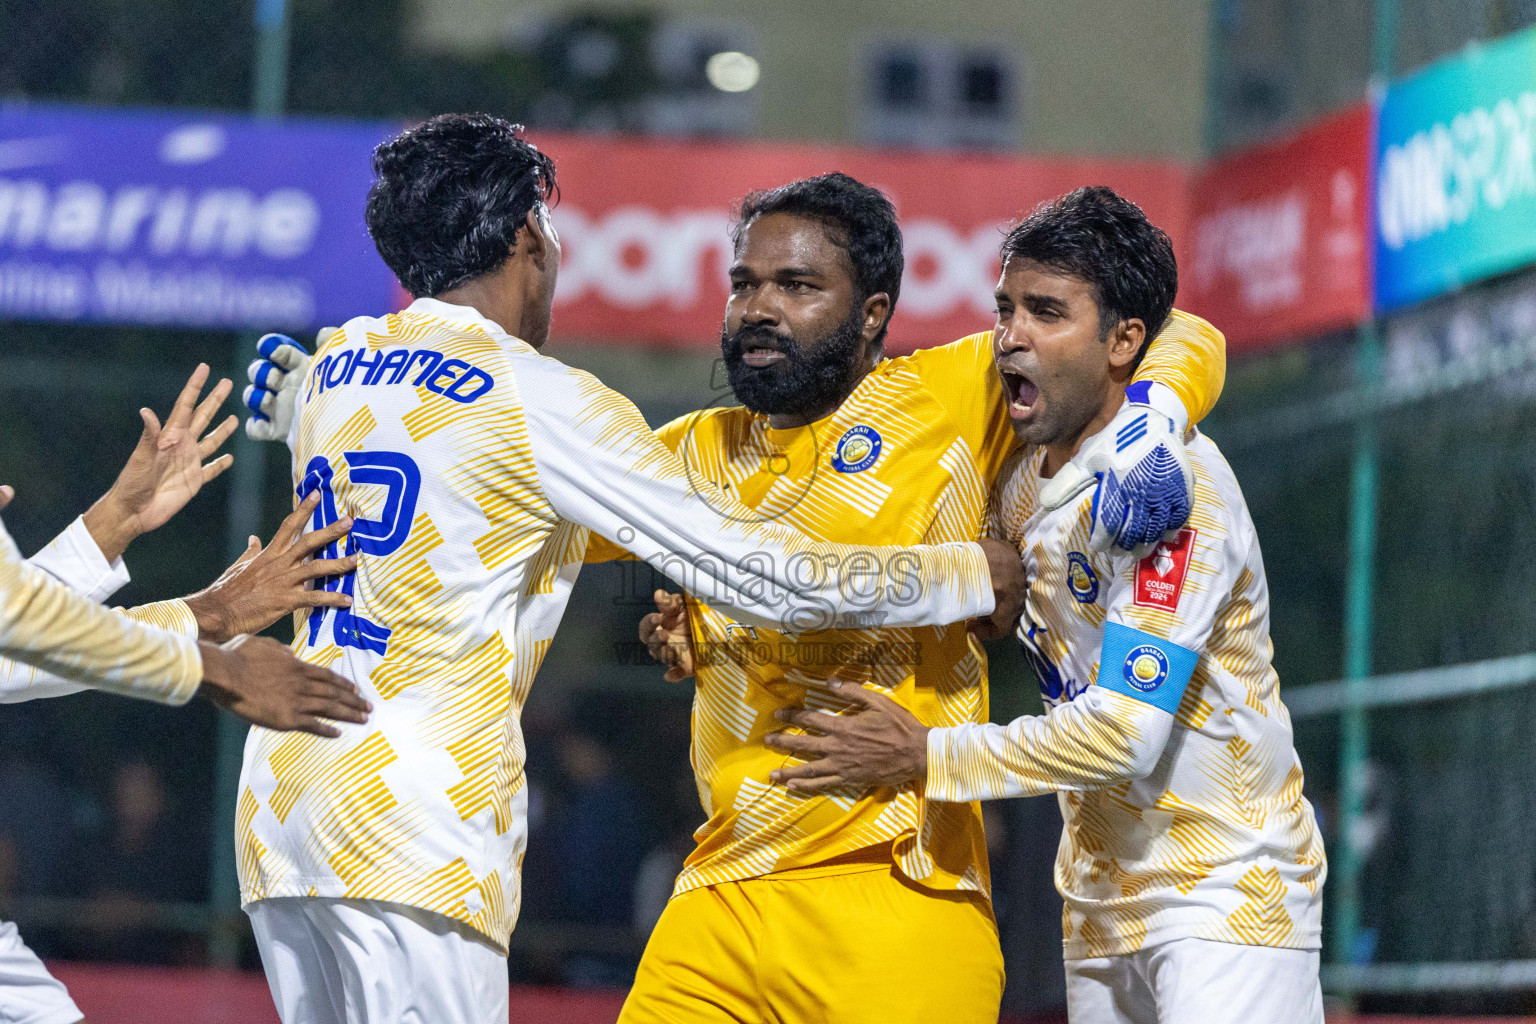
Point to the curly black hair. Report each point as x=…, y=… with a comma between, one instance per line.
x=858, y=218
x=1099, y=236
x=450, y=196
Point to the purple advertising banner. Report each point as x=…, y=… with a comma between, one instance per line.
x=186, y=219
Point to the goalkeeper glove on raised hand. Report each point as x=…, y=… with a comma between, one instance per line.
x=1143, y=474
x=275, y=382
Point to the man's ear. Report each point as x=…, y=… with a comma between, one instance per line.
x=877, y=314
x=538, y=231
x=1126, y=342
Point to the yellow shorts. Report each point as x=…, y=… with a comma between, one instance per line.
x=847, y=948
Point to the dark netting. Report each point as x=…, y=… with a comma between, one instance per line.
x=1450, y=858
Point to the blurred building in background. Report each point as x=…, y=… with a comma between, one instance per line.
x=1277, y=65
x=1117, y=78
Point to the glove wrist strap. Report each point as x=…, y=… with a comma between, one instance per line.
x=1162, y=398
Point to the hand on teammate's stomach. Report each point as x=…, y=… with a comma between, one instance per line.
x=881, y=744
x=261, y=681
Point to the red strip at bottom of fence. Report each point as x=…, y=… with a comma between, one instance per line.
x=109, y=994
x=155, y=995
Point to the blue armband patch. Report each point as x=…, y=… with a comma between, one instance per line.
x=1145, y=667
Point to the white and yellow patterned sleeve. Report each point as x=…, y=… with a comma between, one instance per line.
x=1099, y=739
x=74, y=559
x=1161, y=611
x=70, y=639
x=600, y=466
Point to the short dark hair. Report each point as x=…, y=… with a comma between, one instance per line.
x=1103, y=238
x=858, y=218
x=450, y=197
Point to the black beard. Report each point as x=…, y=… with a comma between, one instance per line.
x=811, y=378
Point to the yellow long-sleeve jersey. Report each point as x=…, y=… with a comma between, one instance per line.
x=910, y=457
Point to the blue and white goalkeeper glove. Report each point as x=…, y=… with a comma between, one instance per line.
x=275, y=381
x=1143, y=474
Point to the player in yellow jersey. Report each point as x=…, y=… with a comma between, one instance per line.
x=1190, y=864
x=855, y=905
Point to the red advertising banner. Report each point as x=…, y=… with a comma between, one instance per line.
x=1278, y=241
x=645, y=228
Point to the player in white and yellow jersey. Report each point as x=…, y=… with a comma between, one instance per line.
x=1190, y=863
x=381, y=872
x=60, y=642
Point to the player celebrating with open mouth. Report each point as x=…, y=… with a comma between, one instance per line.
x=1190, y=863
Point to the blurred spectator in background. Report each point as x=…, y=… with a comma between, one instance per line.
x=38, y=814
x=601, y=835
x=611, y=811
x=143, y=856
x=1029, y=916
x=10, y=867
x=595, y=837
x=658, y=872
x=995, y=820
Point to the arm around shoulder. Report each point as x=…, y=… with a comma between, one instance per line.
x=1188, y=356
x=599, y=465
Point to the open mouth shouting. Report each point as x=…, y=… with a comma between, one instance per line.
x=758, y=354
x=1022, y=393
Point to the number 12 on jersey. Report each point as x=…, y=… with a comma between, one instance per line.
x=398, y=473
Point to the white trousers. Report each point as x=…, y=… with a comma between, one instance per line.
x=28, y=993
x=1196, y=981
x=340, y=961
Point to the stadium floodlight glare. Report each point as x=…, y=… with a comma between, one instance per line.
x=732, y=71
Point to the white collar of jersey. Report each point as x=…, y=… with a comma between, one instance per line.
x=458, y=314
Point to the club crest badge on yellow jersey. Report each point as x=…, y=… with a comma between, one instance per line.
x=1081, y=579
x=857, y=449
x=1146, y=667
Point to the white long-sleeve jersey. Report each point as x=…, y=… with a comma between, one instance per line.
x=474, y=468
x=74, y=559
x=1182, y=807
x=55, y=640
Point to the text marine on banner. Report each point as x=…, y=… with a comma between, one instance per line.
x=186, y=219
x=1279, y=235
x=1456, y=172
